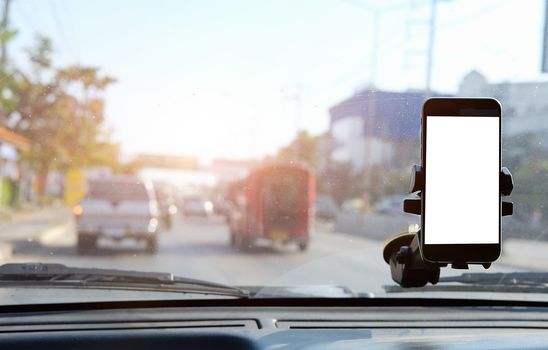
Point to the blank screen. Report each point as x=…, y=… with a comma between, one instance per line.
x=462, y=180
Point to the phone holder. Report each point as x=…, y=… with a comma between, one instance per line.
x=402, y=252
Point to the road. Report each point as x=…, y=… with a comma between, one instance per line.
x=199, y=248
x=374, y=225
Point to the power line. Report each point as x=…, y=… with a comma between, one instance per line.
x=60, y=28
x=24, y=14
x=35, y=22
x=368, y=7
x=486, y=10
x=5, y=21
x=430, y=52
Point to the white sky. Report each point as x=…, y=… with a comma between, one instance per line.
x=218, y=78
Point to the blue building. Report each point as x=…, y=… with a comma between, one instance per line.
x=377, y=128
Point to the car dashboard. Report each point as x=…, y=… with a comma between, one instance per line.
x=118, y=326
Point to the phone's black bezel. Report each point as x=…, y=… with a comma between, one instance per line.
x=449, y=253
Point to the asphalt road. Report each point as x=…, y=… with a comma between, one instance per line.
x=374, y=225
x=199, y=248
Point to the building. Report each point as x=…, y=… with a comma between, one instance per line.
x=377, y=128
x=230, y=169
x=15, y=179
x=524, y=104
x=167, y=161
x=383, y=128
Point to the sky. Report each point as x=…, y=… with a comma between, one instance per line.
x=236, y=79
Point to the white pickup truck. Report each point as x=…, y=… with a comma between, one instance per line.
x=117, y=208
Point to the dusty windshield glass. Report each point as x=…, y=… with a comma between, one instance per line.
x=117, y=190
x=253, y=143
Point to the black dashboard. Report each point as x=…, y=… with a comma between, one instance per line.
x=276, y=327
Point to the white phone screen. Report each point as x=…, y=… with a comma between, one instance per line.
x=462, y=180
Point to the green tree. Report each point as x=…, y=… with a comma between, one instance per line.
x=526, y=155
x=304, y=148
x=530, y=192
x=7, y=79
x=60, y=110
x=339, y=181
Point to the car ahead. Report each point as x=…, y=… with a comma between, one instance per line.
x=117, y=208
x=389, y=205
x=197, y=206
x=326, y=208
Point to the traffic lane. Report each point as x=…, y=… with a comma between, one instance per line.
x=521, y=251
x=381, y=226
x=199, y=248
x=376, y=226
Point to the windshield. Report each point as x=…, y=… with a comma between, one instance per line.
x=282, y=192
x=117, y=190
x=264, y=145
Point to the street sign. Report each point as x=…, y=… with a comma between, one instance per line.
x=544, y=68
x=75, y=186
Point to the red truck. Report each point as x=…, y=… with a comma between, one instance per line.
x=275, y=202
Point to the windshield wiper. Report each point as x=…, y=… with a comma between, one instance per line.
x=512, y=282
x=58, y=275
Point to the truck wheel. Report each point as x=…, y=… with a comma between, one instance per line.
x=152, y=245
x=86, y=243
x=238, y=242
x=303, y=246
x=248, y=244
x=243, y=243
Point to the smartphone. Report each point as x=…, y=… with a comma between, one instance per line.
x=461, y=161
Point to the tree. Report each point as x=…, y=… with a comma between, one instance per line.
x=7, y=80
x=303, y=149
x=530, y=193
x=60, y=110
x=339, y=181
x=526, y=155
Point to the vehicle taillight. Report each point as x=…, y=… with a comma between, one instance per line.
x=77, y=210
x=152, y=225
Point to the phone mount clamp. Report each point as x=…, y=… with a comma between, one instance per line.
x=402, y=251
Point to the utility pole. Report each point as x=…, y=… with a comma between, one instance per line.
x=371, y=110
x=374, y=47
x=5, y=19
x=426, y=54
x=297, y=98
x=430, y=57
